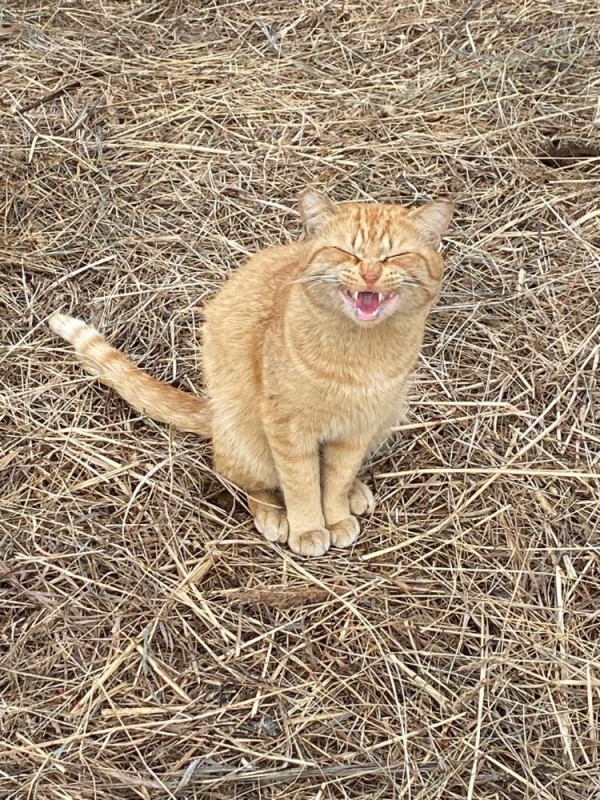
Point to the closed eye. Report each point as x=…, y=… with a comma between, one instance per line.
x=346, y=252
x=397, y=255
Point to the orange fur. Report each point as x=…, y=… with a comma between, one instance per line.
x=303, y=376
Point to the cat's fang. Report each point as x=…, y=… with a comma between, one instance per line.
x=366, y=306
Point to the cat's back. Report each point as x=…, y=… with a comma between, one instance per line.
x=256, y=292
x=238, y=317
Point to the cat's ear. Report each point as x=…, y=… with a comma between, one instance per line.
x=316, y=209
x=432, y=219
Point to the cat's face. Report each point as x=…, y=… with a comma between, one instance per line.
x=372, y=261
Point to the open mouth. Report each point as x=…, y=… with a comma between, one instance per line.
x=366, y=306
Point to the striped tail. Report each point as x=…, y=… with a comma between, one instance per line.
x=158, y=400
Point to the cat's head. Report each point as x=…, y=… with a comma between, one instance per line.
x=372, y=261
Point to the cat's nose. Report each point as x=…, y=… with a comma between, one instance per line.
x=371, y=273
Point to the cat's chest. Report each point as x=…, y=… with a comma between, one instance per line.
x=375, y=393
x=346, y=415
x=335, y=406
x=336, y=387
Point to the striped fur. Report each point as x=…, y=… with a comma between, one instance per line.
x=151, y=397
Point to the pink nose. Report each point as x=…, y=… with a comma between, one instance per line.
x=370, y=272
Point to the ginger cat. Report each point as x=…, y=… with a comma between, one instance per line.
x=306, y=353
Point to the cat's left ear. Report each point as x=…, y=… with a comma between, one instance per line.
x=316, y=209
x=432, y=220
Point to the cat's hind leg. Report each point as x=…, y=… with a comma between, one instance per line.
x=269, y=515
x=243, y=457
x=361, y=499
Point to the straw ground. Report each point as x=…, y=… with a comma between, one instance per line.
x=153, y=645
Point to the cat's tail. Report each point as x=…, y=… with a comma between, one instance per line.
x=158, y=400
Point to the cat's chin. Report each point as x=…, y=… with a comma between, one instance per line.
x=367, y=307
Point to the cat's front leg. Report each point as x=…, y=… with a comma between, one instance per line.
x=341, y=462
x=297, y=461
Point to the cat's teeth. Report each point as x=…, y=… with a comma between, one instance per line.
x=355, y=295
x=380, y=296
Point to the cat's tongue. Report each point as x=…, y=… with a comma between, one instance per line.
x=367, y=306
x=367, y=303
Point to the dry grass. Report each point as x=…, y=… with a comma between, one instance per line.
x=153, y=645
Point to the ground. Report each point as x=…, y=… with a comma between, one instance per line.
x=153, y=644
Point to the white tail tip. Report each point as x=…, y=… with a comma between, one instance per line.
x=66, y=326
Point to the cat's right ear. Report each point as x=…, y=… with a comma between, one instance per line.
x=316, y=209
x=432, y=219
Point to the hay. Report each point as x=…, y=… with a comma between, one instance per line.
x=153, y=643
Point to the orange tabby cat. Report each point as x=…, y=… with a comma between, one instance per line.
x=306, y=351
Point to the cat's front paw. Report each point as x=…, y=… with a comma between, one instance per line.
x=361, y=499
x=345, y=532
x=311, y=543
